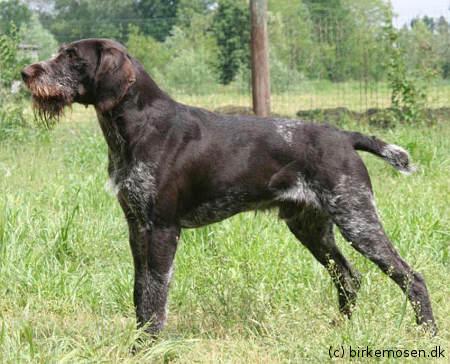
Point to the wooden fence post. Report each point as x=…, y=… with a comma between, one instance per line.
x=260, y=58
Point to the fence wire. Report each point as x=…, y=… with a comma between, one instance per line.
x=322, y=64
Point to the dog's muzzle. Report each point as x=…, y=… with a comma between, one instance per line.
x=50, y=95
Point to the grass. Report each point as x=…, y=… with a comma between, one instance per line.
x=243, y=291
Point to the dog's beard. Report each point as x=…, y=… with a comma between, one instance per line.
x=49, y=102
x=49, y=110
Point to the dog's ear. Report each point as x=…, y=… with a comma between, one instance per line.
x=115, y=74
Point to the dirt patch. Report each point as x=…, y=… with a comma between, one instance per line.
x=378, y=117
x=242, y=110
x=383, y=118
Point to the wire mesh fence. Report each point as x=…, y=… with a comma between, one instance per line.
x=319, y=63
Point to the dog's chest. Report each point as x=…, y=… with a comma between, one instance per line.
x=136, y=184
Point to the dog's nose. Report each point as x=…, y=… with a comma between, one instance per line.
x=26, y=73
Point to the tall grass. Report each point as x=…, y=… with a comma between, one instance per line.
x=244, y=290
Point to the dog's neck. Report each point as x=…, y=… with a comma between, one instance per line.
x=151, y=106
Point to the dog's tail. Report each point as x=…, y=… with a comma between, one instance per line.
x=393, y=154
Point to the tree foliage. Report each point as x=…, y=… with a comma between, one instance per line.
x=34, y=33
x=336, y=40
x=232, y=31
x=70, y=20
x=151, y=53
x=159, y=17
x=407, y=98
x=194, y=45
x=11, y=111
x=12, y=12
x=11, y=61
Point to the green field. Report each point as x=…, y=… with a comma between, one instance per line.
x=243, y=291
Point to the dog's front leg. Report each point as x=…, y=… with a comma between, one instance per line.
x=153, y=251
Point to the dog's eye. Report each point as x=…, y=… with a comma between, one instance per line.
x=71, y=52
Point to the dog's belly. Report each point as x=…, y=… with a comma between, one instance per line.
x=217, y=210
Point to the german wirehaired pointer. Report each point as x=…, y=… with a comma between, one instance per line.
x=174, y=166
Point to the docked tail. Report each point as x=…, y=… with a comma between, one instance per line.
x=391, y=153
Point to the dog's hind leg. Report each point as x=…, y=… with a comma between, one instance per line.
x=315, y=231
x=353, y=210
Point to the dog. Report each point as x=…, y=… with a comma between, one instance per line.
x=174, y=166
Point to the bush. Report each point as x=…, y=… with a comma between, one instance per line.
x=10, y=61
x=242, y=82
x=11, y=110
x=184, y=62
x=282, y=77
x=34, y=33
x=408, y=98
x=190, y=73
x=11, y=115
x=151, y=53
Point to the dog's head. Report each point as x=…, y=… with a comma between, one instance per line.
x=92, y=72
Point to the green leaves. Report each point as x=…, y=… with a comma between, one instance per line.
x=407, y=98
x=231, y=28
x=13, y=12
x=11, y=111
x=9, y=58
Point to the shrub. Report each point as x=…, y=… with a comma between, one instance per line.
x=407, y=98
x=151, y=53
x=11, y=110
x=34, y=33
x=282, y=77
x=10, y=61
x=190, y=73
